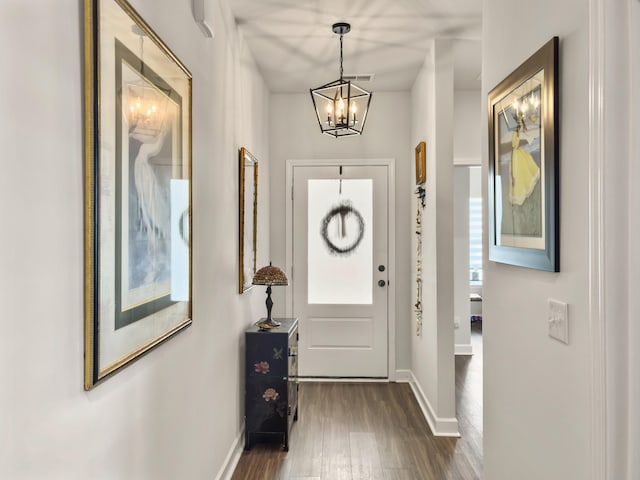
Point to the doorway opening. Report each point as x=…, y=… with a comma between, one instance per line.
x=467, y=256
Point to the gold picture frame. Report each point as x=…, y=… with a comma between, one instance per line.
x=421, y=163
x=248, y=234
x=137, y=190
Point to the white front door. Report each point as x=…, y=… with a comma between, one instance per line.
x=340, y=270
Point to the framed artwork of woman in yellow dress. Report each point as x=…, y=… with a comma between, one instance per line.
x=523, y=164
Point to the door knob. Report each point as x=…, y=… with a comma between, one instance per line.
x=381, y=283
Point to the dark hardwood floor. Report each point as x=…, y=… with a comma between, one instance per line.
x=375, y=431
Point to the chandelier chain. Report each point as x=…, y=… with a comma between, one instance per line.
x=341, y=58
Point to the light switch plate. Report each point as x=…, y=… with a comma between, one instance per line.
x=558, y=318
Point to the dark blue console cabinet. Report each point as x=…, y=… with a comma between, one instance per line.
x=271, y=383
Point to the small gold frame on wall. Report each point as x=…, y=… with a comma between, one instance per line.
x=421, y=163
x=248, y=235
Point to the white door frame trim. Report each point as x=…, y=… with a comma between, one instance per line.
x=597, y=320
x=391, y=215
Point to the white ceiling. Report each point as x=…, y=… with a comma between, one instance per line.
x=295, y=48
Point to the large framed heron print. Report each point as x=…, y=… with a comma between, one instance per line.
x=137, y=189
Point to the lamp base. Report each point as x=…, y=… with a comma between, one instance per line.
x=267, y=324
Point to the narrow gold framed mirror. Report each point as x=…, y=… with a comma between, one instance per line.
x=248, y=218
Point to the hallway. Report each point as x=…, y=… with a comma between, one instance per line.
x=369, y=431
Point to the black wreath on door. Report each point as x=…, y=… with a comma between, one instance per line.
x=342, y=211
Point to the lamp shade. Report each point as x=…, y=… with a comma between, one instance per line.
x=270, y=275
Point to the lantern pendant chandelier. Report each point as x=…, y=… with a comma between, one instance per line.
x=341, y=106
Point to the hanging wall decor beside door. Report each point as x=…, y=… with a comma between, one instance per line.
x=420, y=191
x=421, y=178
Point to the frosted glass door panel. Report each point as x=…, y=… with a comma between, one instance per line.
x=340, y=245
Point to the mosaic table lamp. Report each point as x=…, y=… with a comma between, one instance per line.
x=269, y=276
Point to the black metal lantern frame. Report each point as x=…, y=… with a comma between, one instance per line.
x=341, y=106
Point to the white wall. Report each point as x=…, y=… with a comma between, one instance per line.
x=621, y=93
x=176, y=412
x=432, y=353
x=537, y=417
x=467, y=112
x=295, y=135
x=633, y=358
x=476, y=181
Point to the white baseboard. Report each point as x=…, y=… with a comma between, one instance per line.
x=342, y=380
x=440, y=427
x=232, y=458
x=464, y=349
x=403, y=376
